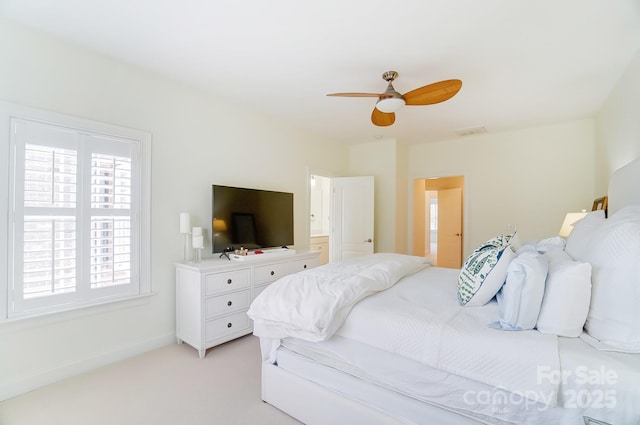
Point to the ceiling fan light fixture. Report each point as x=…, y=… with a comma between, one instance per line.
x=390, y=101
x=390, y=104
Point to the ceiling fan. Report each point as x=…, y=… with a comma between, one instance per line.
x=391, y=101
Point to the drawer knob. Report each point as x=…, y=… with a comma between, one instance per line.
x=272, y=272
x=229, y=325
x=304, y=267
x=229, y=303
x=229, y=281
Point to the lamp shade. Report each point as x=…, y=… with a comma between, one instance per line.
x=390, y=104
x=198, y=241
x=219, y=225
x=185, y=223
x=569, y=221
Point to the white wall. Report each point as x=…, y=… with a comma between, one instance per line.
x=618, y=125
x=404, y=190
x=198, y=140
x=529, y=177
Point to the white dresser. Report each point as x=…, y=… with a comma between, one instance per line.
x=213, y=296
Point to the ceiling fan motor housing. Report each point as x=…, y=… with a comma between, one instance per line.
x=390, y=75
x=391, y=100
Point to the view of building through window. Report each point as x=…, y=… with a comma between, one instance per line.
x=110, y=236
x=50, y=241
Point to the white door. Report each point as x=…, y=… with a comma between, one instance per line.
x=352, y=217
x=450, y=228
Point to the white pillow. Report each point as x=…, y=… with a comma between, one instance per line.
x=542, y=246
x=583, y=231
x=520, y=298
x=614, y=253
x=567, y=294
x=484, y=271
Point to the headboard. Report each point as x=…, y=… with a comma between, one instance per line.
x=624, y=186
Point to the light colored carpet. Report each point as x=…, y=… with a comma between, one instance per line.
x=170, y=385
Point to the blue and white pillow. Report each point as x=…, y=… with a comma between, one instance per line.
x=567, y=294
x=520, y=298
x=484, y=271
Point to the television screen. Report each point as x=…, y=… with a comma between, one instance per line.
x=251, y=218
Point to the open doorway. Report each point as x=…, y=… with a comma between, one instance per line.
x=341, y=211
x=319, y=215
x=437, y=220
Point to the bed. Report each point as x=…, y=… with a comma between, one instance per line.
x=390, y=339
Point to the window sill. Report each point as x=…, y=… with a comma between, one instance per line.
x=13, y=324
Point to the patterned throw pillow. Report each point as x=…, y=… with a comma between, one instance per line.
x=484, y=271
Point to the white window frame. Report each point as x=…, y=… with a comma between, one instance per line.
x=90, y=134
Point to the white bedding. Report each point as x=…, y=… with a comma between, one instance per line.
x=420, y=319
x=496, y=377
x=587, y=389
x=446, y=355
x=389, y=386
x=312, y=304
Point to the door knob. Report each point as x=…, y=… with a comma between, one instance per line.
x=369, y=240
x=458, y=234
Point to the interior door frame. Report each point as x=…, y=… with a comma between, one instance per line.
x=454, y=240
x=307, y=224
x=410, y=209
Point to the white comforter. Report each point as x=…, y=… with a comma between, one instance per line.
x=419, y=318
x=313, y=304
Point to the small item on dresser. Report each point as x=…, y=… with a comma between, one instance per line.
x=185, y=222
x=185, y=229
x=198, y=241
x=241, y=251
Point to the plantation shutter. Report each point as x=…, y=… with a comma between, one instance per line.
x=74, y=216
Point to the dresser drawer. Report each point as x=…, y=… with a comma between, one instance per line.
x=305, y=264
x=226, y=281
x=228, y=303
x=220, y=328
x=270, y=272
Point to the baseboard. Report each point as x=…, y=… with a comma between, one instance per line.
x=17, y=387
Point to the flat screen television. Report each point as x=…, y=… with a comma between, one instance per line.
x=250, y=218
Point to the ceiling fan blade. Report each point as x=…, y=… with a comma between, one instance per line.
x=382, y=119
x=433, y=93
x=358, y=94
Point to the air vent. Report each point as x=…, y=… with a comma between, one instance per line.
x=471, y=130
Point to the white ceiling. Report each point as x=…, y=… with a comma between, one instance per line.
x=522, y=62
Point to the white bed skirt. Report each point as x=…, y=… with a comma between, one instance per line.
x=313, y=404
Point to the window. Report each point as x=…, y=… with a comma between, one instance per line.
x=78, y=215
